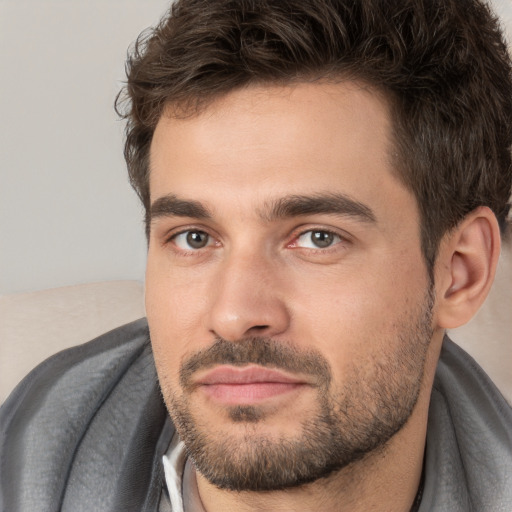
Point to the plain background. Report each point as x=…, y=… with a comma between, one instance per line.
x=67, y=213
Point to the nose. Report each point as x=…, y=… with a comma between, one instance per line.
x=247, y=299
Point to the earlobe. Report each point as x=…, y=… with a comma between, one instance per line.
x=465, y=268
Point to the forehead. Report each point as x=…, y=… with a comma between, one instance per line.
x=262, y=142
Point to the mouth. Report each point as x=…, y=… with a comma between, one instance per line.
x=248, y=385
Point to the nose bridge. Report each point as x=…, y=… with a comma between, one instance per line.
x=246, y=299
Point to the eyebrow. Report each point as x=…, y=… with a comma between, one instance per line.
x=284, y=207
x=330, y=203
x=171, y=206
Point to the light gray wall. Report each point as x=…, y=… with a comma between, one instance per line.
x=504, y=9
x=67, y=213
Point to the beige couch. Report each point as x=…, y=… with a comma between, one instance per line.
x=35, y=325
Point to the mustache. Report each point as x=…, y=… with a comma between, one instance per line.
x=260, y=351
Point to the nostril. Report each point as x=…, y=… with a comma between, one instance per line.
x=260, y=327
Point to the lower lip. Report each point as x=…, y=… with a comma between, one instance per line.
x=246, y=394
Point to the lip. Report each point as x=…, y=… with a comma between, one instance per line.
x=247, y=385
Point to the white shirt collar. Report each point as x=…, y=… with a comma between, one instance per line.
x=180, y=478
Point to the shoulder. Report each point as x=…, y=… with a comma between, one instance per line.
x=469, y=440
x=463, y=382
x=475, y=404
x=83, y=371
x=67, y=429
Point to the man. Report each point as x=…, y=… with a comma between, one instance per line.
x=324, y=182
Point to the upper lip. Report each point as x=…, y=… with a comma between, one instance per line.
x=245, y=375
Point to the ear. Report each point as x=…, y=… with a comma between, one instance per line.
x=465, y=267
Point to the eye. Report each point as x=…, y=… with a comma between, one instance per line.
x=194, y=240
x=317, y=239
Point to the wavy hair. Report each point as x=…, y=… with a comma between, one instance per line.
x=442, y=64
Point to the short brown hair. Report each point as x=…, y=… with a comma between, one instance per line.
x=442, y=63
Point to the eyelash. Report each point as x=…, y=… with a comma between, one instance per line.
x=188, y=252
x=338, y=239
x=341, y=239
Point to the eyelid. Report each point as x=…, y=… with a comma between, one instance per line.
x=173, y=233
x=344, y=238
x=185, y=241
x=184, y=228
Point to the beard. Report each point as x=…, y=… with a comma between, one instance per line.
x=346, y=424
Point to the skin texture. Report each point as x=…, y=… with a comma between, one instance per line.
x=228, y=261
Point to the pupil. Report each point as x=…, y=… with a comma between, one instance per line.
x=197, y=239
x=322, y=239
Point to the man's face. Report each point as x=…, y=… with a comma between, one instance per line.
x=286, y=294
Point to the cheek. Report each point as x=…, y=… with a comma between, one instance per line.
x=174, y=297
x=174, y=310
x=356, y=315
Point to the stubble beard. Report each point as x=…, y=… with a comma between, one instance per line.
x=347, y=425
